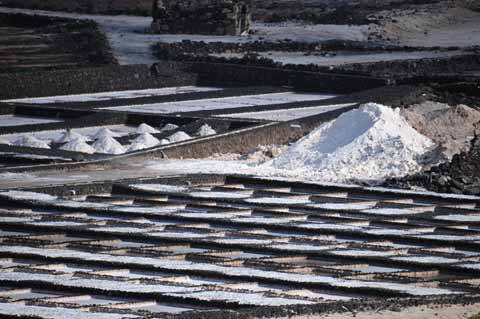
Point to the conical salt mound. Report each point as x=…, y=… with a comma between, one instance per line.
x=145, y=128
x=105, y=132
x=143, y=141
x=108, y=145
x=78, y=146
x=370, y=143
x=147, y=139
x=206, y=130
x=69, y=136
x=169, y=127
x=32, y=141
x=179, y=137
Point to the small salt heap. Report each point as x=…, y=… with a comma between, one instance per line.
x=145, y=128
x=206, y=130
x=105, y=132
x=78, y=146
x=179, y=136
x=108, y=145
x=143, y=141
x=32, y=141
x=4, y=141
x=164, y=141
x=169, y=127
x=69, y=136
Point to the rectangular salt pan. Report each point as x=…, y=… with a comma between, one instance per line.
x=157, y=307
x=287, y=114
x=222, y=103
x=91, y=300
x=14, y=120
x=30, y=294
x=115, y=95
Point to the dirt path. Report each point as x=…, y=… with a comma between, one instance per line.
x=436, y=25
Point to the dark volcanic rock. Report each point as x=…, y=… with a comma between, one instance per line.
x=459, y=176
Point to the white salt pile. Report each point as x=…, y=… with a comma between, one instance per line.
x=371, y=143
x=179, y=137
x=169, y=127
x=108, y=145
x=70, y=135
x=206, y=130
x=145, y=128
x=32, y=141
x=143, y=141
x=105, y=132
x=78, y=146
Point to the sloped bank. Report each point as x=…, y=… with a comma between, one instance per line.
x=59, y=43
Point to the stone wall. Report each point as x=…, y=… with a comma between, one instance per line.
x=236, y=75
x=217, y=17
x=91, y=80
x=134, y=7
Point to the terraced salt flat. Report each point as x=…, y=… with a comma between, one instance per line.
x=287, y=114
x=221, y=103
x=16, y=120
x=114, y=95
x=219, y=243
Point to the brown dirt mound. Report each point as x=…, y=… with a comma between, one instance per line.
x=452, y=128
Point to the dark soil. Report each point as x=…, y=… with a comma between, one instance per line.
x=133, y=7
x=328, y=11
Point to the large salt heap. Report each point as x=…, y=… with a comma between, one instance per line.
x=371, y=143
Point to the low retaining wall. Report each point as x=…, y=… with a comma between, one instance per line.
x=231, y=74
x=91, y=80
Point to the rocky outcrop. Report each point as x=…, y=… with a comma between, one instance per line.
x=460, y=176
x=215, y=17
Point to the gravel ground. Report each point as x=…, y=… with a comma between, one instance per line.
x=434, y=25
x=423, y=312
